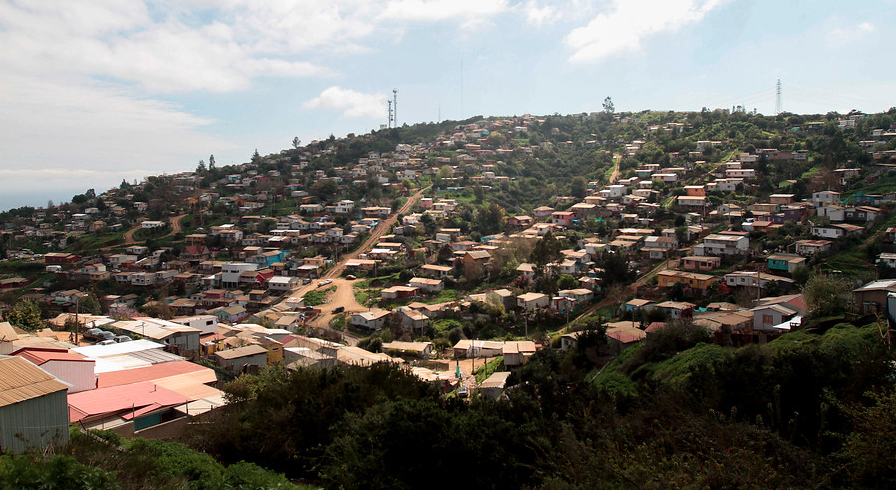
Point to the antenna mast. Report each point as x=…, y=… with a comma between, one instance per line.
x=390, y=112
x=395, y=106
x=778, y=108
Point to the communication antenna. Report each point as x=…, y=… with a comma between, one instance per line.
x=395, y=106
x=778, y=108
x=390, y=112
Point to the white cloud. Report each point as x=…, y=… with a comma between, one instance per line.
x=353, y=104
x=441, y=10
x=621, y=28
x=846, y=35
x=538, y=16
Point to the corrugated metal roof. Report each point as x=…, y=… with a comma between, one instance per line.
x=249, y=350
x=21, y=380
x=150, y=373
x=114, y=399
x=96, y=351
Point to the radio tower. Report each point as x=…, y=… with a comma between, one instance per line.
x=390, y=112
x=395, y=106
x=778, y=108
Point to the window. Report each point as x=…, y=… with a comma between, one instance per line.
x=767, y=319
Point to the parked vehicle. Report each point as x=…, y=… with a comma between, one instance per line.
x=339, y=309
x=122, y=338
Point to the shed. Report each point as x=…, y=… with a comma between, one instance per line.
x=33, y=406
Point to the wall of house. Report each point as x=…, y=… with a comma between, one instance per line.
x=34, y=423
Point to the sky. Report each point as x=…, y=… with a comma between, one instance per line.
x=96, y=91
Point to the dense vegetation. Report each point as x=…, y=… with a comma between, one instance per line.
x=790, y=414
x=108, y=462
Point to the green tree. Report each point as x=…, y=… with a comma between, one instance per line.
x=546, y=250
x=567, y=281
x=608, y=106
x=296, y=142
x=578, y=186
x=26, y=315
x=827, y=296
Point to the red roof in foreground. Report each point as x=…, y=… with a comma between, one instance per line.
x=149, y=373
x=132, y=398
x=41, y=355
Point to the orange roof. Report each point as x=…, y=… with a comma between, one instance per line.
x=149, y=373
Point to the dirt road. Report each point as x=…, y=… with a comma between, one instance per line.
x=630, y=289
x=615, y=174
x=344, y=295
x=374, y=237
x=129, y=235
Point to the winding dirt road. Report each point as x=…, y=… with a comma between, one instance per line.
x=344, y=295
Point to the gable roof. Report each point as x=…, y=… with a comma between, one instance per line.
x=21, y=380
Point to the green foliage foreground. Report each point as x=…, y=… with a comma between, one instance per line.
x=90, y=464
x=792, y=414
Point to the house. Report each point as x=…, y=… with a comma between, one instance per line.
x=692, y=201
x=563, y=218
x=494, y=385
x=872, y=297
x=888, y=259
x=478, y=348
x=230, y=314
x=422, y=349
x=427, y=285
x=836, y=230
x=676, y=309
x=411, y=318
x=785, y=262
x=621, y=335
x=776, y=310
x=751, y=279
x=473, y=258
x=809, y=247
x=637, y=305
x=707, y=263
x=33, y=406
x=516, y=353
x=532, y=301
x=371, y=320
x=236, y=360
x=693, y=280
x=724, y=243
x=73, y=369
x=397, y=292
x=436, y=271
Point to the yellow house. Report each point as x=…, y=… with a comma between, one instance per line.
x=702, y=282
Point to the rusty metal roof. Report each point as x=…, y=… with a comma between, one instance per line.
x=21, y=380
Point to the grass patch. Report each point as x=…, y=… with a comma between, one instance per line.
x=338, y=322
x=483, y=372
x=444, y=296
x=850, y=261
x=317, y=296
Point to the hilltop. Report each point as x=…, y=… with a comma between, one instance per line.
x=623, y=267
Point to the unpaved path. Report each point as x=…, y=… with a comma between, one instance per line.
x=344, y=295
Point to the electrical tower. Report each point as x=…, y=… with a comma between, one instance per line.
x=390, y=113
x=395, y=106
x=778, y=108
